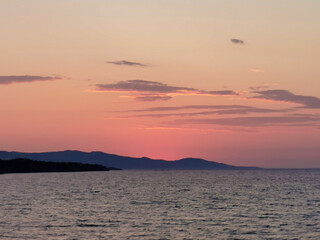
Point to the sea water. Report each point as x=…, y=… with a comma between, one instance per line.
x=255, y=204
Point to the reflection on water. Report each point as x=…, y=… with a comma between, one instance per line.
x=271, y=204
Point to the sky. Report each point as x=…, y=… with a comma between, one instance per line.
x=225, y=80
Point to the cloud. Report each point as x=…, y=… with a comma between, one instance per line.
x=222, y=92
x=128, y=63
x=286, y=96
x=256, y=121
x=142, y=86
x=262, y=86
x=143, y=90
x=26, y=78
x=190, y=107
x=149, y=98
x=258, y=87
x=217, y=110
x=236, y=41
x=257, y=70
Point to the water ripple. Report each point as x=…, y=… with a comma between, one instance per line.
x=161, y=205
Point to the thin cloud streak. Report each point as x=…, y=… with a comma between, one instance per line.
x=128, y=63
x=151, y=98
x=221, y=92
x=193, y=107
x=155, y=91
x=142, y=86
x=219, y=112
x=255, y=121
x=26, y=78
x=286, y=96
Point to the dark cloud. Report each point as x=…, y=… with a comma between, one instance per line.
x=256, y=121
x=128, y=63
x=25, y=78
x=142, y=86
x=154, y=91
x=286, y=96
x=236, y=41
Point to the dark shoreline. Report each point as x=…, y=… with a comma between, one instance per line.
x=22, y=165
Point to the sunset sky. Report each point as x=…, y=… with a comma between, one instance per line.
x=230, y=81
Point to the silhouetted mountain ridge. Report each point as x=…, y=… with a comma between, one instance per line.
x=123, y=162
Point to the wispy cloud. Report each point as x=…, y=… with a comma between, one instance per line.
x=26, y=78
x=190, y=107
x=142, y=86
x=217, y=112
x=213, y=110
x=236, y=41
x=262, y=86
x=128, y=63
x=221, y=92
x=286, y=96
x=257, y=70
x=143, y=90
x=151, y=98
x=255, y=121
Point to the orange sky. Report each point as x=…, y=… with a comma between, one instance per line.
x=229, y=81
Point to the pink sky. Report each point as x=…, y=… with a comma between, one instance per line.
x=228, y=81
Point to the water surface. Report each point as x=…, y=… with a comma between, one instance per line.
x=256, y=204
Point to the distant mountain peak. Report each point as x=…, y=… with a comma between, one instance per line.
x=117, y=161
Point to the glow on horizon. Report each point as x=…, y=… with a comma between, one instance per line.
x=225, y=80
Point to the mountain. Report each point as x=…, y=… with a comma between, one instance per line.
x=112, y=160
x=22, y=165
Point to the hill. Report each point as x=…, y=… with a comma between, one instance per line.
x=117, y=161
x=22, y=165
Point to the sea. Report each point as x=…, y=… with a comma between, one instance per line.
x=176, y=204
